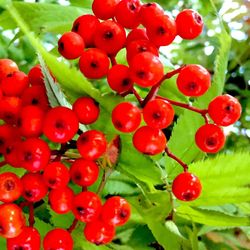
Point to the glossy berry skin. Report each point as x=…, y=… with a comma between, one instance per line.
x=158, y=113
x=127, y=13
x=12, y=220
x=7, y=66
x=86, y=206
x=186, y=187
x=150, y=141
x=86, y=109
x=94, y=63
x=224, y=110
x=10, y=154
x=146, y=69
x=104, y=9
x=35, y=76
x=84, y=172
x=58, y=239
x=92, y=144
x=56, y=175
x=98, y=232
x=61, y=200
x=126, y=117
x=189, y=24
x=136, y=34
x=30, y=121
x=14, y=84
x=28, y=239
x=119, y=78
x=33, y=154
x=210, y=138
x=162, y=30
x=85, y=26
x=34, y=188
x=193, y=80
x=71, y=45
x=116, y=211
x=110, y=37
x=10, y=187
x=60, y=124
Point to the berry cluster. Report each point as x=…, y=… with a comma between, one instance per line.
x=29, y=124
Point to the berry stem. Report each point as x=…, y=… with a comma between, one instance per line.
x=105, y=175
x=138, y=97
x=24, y=204
x=171, y=155
x=113, y=60
x=31, y=214
x=2, y=163
x=73, y=226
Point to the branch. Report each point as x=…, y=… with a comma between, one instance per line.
x=171, y=155
x=106, y=174
x=73, y=226
x=31, y=214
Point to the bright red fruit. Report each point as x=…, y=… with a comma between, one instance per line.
x=10, y=154
x=58, y=239
x=136, y=34
x=12, y=220
x=126, y=117
x=150, y=141
x=7, y=67
x=86, y=206
x=92, y=144
x=224, y=110
x=35, y=76
x=210, y=138
x=84, y=172
x=104, y=9
x=28, y=239
x=193, y=80
x=71, y=45
x=98, y=232
x=189, y=24
x=116, y=211
x=60, y=124
x=186, y=187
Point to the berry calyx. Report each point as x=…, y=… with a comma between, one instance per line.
x=7, y=66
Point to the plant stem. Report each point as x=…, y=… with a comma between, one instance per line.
x=73, y=226
x=105, y=175
x=31, y=214
x=138, y=97
x=113, y=60
x=171, y=155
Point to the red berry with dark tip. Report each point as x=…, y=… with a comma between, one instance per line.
x=126, y=117
x=104, y=9
x=193, y=80
x=29, y=239
x=11, y=153
x=7, y=66
x=92, y=144
x=189, y=24
x=150, y=141
x=136, y=34
x=224, y=110
x=210, y=138
x=186, y=187
x=116, y=211
x=71, y=45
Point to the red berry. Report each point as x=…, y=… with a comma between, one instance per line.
x=35, y=76
x=186, y=187
x=104, y=9
x=94, y=63
x=61, y=200
x=71, y=45
x=116, y=211
x=86, y=109
x=12, y=220
x=7, y=67
x=193, y=80
x=146, y=69
x=30, y=121
x=34, y=188
x=210, y=138
x=136, y=34
x=84, y=172
x=14, y=84
x=92, y=144
x=158, y=113
x=60, y=124
x=224, y=110
x=56, y=175
x=58, y=239
x=33, y=154
x=85, y=26
x=127, y=13
x=99, y=233
x=162, y=30
x=150, y=141
x=10, y=187
x=126, y=117
x=86, y=206
x=189, y=24
x=29, y=239
x=10, y=154
x=119, y=78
